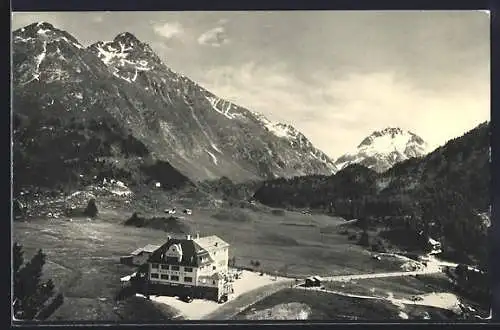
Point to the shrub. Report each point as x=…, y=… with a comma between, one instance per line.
x=278, y=212
x=352, y=237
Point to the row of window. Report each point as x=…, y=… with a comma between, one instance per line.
x=175, y=268
x=207, y=266
x=172, y=277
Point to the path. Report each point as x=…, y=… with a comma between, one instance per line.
x=233, y=307
x=341, y=278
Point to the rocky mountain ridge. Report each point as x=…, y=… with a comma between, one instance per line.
x=121, y=91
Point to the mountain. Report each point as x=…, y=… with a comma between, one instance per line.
x=445, y=194
x=382, y=149
x=118, y=105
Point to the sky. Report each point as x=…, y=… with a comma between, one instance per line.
x=336, y=76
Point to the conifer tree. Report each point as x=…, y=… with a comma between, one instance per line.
x=30, y=290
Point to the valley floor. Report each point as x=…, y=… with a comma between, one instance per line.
x=83, y=261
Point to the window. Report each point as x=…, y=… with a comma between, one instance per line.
x=213, y=267
x=164, y=277
x=175, y=268
x=165, y=267
x=174, y=278
x=188, y=269
x=154, y=266
x=213, y=282
x=154, y=275
x=188, y=279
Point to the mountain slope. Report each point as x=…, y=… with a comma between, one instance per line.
x=444, y=194
x=382, y=149
x=123, y=85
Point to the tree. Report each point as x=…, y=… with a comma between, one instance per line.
x=91, y=209
x=30, y=292
x=364, y=239
x=18, y=257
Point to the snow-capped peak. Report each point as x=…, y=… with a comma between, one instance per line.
x=384, y=148
x=126, y=56
x=392, y=139
x=44, y=32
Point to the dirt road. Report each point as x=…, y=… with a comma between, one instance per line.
x=343, y=278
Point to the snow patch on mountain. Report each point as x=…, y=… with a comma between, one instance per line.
x=278, y=129
x=224, y=106
x=39, y=60
x=120, y=53
x=281, y=130
x=214, y=159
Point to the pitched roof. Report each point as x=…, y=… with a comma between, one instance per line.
x=148, y=248
x=210, y=242
x=136, y=252
x=190, y=253
x=151, y=248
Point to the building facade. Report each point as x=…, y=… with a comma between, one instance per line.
x=197, y=267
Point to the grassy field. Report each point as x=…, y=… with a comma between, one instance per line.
x=327, y=306
x=403, y=287
x=83, y=261
x=83, y=254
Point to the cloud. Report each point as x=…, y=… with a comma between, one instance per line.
x=336, y=113
x=169, y=30
x=21, y=19
x=215, y=37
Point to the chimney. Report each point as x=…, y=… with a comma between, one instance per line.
x=197, y=235
x=188, y=237
x=169, y=238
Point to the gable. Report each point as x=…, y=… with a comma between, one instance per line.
x=181, y=252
